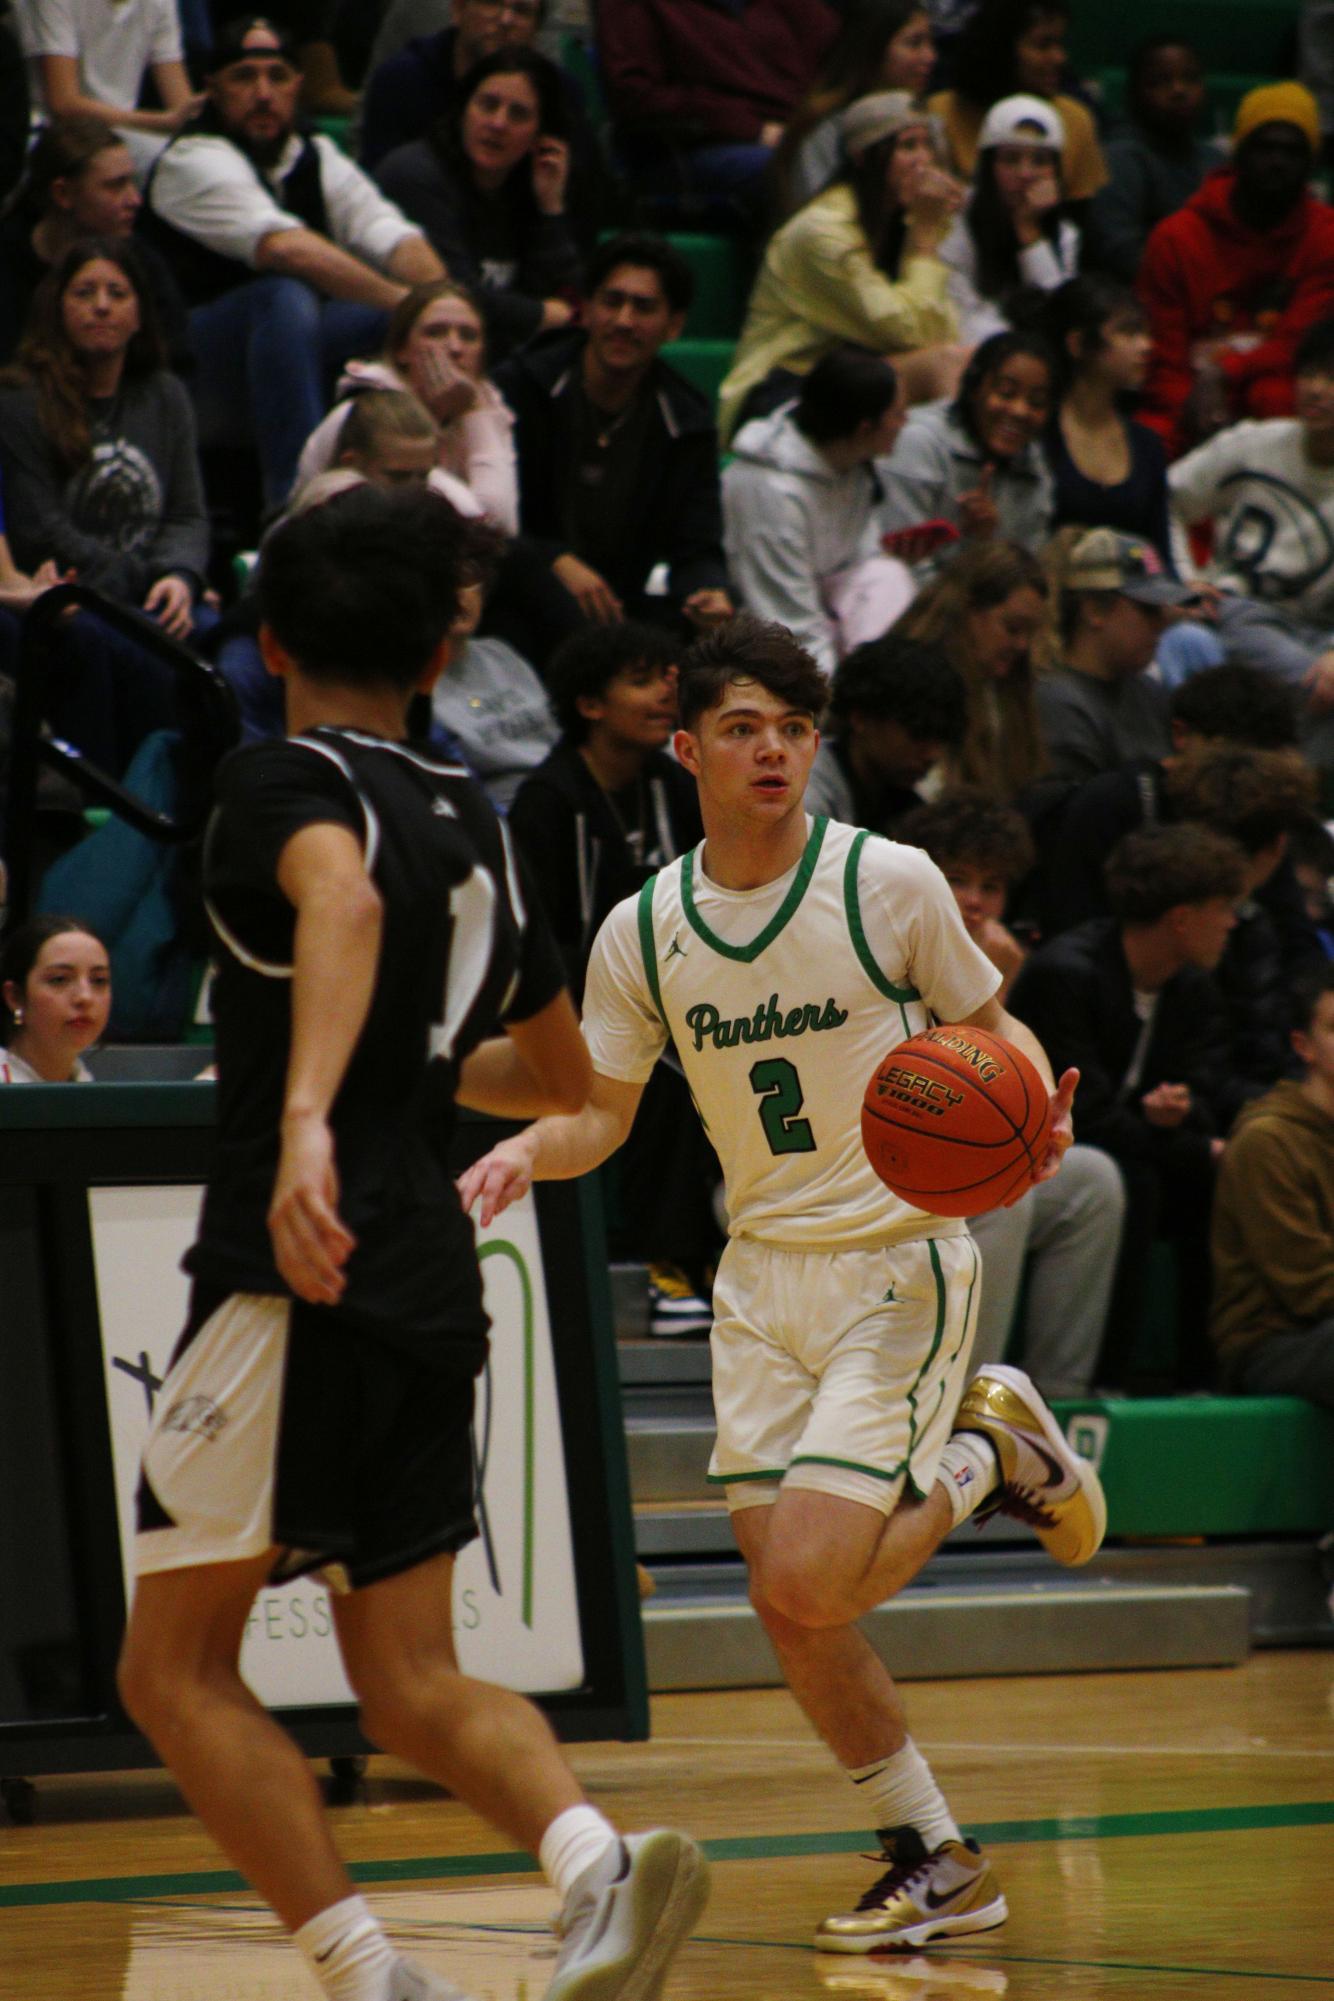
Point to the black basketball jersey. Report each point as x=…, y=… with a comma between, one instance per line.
x=463, y=949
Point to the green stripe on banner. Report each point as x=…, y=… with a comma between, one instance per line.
x=499, y=1248
x=739, y=1848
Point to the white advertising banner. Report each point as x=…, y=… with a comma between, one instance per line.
x=516, y=1618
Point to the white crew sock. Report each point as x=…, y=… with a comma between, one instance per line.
x=574, y=1841
x=968, y=1472
x=347, y=1951
x=901, y=1792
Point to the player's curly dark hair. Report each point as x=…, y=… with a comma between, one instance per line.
x=966, y=827
x=1156, y=869
x=749, y=649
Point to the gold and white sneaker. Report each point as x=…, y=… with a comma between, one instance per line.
x=1044, y=1481
x=942, y=1894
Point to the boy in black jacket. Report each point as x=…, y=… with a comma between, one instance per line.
x=604, y=810
x=1129, y=1000
x=618, y=453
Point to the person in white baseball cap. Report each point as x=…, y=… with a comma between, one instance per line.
x=1015, y=234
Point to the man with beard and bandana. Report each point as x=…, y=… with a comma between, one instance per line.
x=290, y=258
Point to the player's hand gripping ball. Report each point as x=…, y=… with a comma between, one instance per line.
x=955, y=1121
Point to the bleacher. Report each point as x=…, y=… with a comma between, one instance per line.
x=1215, y=1510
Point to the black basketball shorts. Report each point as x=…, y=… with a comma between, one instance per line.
x=282, y=1426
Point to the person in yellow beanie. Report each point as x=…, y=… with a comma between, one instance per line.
x=1278, y=104
x=1234, y=279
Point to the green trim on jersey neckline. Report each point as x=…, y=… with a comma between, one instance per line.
x=785, y=911
x=860, y=946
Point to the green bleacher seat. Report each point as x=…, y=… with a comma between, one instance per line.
x=579, y=62
x=703, y=362
x=1209, y=1466
x=1246, y=36
x=335, y=125
x=1226, y=90
x=721, y=288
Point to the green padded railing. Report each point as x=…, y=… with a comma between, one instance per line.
x=1226, y=90
x=703, y=362
x=1256, y=36
x=1209, y=1466
x=721, y=288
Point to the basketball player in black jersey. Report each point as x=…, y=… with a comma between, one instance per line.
x=373, y=935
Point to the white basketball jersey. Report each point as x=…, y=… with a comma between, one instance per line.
x=779, y=1017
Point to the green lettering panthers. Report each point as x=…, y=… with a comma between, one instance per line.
x=769, y=1021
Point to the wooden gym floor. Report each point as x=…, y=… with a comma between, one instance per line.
x=1157, y=1835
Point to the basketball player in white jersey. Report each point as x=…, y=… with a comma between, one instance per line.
x=374, y=933
x=783, y=957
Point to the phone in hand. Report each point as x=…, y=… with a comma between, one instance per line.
x=923, y=539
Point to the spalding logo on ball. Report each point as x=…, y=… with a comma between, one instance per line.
x=955, y=1121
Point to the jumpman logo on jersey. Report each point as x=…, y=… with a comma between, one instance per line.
x=889, y=1299
x=674, y=950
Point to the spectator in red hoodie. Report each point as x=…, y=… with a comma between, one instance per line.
x=700, y=91
x=1233, y=279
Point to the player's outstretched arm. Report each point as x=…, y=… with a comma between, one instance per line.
x=536, y=1067
x=335, y=954
x=994, y=1018
x=555, y=1149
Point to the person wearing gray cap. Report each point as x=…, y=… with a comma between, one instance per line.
x=1101, y=709
x=860, y=263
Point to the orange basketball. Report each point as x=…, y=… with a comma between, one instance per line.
x=954, y=1121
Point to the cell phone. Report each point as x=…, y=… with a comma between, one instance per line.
x=923, y=539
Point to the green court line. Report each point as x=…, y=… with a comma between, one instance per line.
x=1151, y=1966
x=740, y=1848
x=1071, y=1827
x=987, y=1954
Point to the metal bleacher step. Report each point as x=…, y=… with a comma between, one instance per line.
x=648, y=1364
x=700, y=1631
x=668, y=1453
x=672, y=1531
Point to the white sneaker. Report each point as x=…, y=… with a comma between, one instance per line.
x=626, y=1917
x=410, y=1983
x=1044, y=1481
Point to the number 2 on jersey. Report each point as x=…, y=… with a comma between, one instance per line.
x=778, y=1087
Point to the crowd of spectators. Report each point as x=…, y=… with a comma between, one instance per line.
x=1026, y=431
